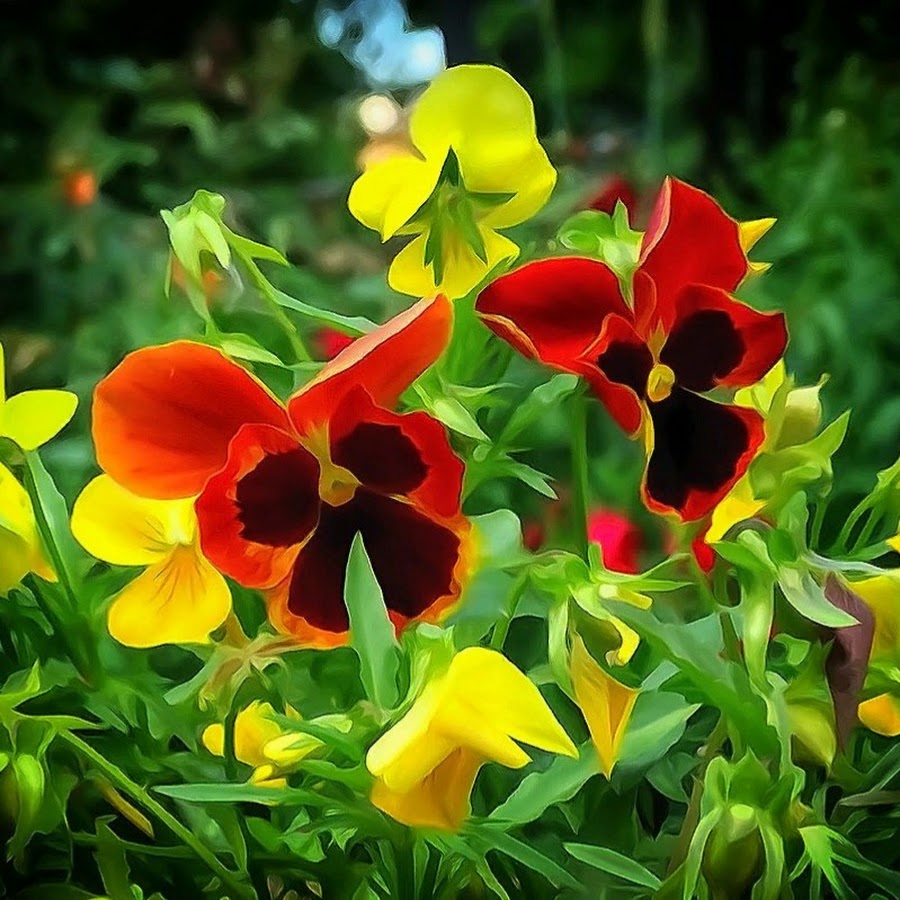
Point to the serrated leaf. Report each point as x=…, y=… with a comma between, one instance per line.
x=613, y=863
x=371, y=631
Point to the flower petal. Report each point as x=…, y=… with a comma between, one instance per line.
x=690, y=240
x=716, y=340
x=254, y=727
x=256, y=512
x=385, y=362
x=397, y=454
x=164, y=416
x=737, y=506
x=882, y=595
x=440, y=800
x=121, y=528
x=487, y=701
x=553, y=309
x=605, y=703
x=463, y=268
x=32, y=418
x=20, y=545
x=419, y=563
x=697, y=451
x=178, y=600
x=487, y=118
x=881, y=714
x=387, y=195
x=617, y=366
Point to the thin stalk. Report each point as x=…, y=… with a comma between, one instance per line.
x=580, y=473
x=140, y=795
x=270, y=296
x=817, y=522
x=692, y=816
x=858, y=511
x=868, y=530
x=91, y=840
x=501, y=629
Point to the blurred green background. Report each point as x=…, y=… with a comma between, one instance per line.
x=111, y=110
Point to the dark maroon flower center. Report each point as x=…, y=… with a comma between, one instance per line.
x=413, y=558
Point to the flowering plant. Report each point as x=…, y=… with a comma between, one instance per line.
x=291, y=640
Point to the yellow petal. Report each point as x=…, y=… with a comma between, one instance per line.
x=213, y=738
x=750, y=232
x=486, y=691
x=629, y=642
x=388, y=194
x=20, y=545
x=606, y=704
x=894, y=543
x=406, y=754
x=882, y=595
x=441, y=800
x=463, y=269
x=178, y=600
x=881, y=714
x=121, y=528
x=33, y=417
x=759, y=396
x=488, y=119
x=737, y=506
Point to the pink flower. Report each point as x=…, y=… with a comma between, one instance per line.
x=619, y=539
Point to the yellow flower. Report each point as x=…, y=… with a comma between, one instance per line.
x=476, y=166
x=21, y=551
x=882, y=595
x=31, y=418
x=605, y=703
x=179, y=598
x=425, y=766
x=260, y=742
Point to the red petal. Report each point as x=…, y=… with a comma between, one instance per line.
x=260, y=507
x=385, y=362
x=617, y=366
x=397, y=454
x=690, y=240
x=163, y=418
x=716, y=340
x=418, y=562
x=553, y=309
x=700, y=449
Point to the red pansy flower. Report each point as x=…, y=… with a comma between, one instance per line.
x=652, y=360
x=283, y=490
x=619, y=539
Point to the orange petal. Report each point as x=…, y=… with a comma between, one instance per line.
x=164, y=416
x=385, y=362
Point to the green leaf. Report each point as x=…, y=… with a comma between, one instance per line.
x=538, y=791
x=657, y=724
x=456, y=417
x=806, y=596
x=228, y=793
x=112, y=863
x=55, y=515
x=353, y=325
x=242, y=346
x=696, y=649
x=536, y=480
x=371, y=631
x=528, y=857
x=247, y=249
x=613, y=863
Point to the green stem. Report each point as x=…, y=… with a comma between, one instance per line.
x=692, y=816
x=501, y=629
x=817, y=522
x=580, y=473
x=92, y=840
x=843, y=538
x=868, y=530
x=140, y=795
x=270, y=295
